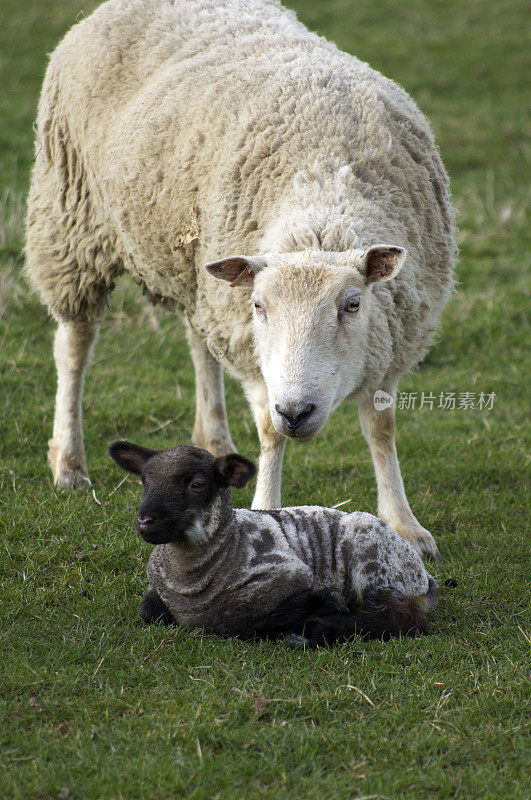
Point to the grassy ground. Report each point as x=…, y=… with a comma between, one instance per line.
x=96, y=706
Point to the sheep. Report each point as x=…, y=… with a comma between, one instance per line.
x=286, y=199
x=309, y=574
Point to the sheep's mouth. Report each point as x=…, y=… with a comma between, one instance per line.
x=302, y=433
x=300, y=437
x=299, y=428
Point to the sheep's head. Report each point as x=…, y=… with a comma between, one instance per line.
x=311, y=313
x=181, y=486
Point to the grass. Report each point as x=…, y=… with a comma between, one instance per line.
x=96, y=706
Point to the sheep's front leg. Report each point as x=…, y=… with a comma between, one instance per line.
x=73, y=345
x=272, y=446
x=379, y=430
x=211, y=429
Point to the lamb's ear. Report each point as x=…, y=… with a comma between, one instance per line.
x=235, y=470
x=381, y=262
x=238, y=270
x=131, y=457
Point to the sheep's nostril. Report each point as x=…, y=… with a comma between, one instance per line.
x=307, y=410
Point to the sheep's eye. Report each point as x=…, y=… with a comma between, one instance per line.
x=258, y=306
x=352, y=305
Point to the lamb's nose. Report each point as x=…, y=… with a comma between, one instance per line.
x=295, y=413
x=145, y=520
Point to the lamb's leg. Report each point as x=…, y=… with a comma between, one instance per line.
x=379, y=616
x=211, y=429
x=272, y=446
x=288, y=620
x=152, y=609
x=73, y=345
x=379, y=430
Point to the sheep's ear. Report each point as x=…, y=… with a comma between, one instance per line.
x=131, y=457
x=235, y=470
x=381, y=262
x=238, y=271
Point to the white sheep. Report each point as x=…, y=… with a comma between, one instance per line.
x=307, y=571
x=178, y=135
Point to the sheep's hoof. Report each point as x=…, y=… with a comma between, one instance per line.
x=427, y=547
x=68, y=472
x=421, y=539
x=72, y=479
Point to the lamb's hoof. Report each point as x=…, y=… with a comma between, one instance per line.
x=421, y=539
x=295, y=641
x=329, y=602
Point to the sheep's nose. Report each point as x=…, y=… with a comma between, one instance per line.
x=295, y=413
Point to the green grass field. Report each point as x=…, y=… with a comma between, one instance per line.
x=94, y=705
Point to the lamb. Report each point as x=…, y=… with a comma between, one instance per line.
x=309, y=574
x=287, y=200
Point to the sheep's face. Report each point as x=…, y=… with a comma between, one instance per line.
x=181, y=486
x=311, y=314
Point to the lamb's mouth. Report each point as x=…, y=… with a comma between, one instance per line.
x=167, y=530
x=156, y=535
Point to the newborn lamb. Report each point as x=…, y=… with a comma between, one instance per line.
x=309, y=574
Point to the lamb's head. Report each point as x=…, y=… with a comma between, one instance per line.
x=311, y=313
x=186, y=489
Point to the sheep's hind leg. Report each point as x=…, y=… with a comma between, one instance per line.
x=73, y=345
x=211, y=429
x=378, y=427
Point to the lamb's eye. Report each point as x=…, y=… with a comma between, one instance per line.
x=197, y=486
x=259, y=308
x=352, y=305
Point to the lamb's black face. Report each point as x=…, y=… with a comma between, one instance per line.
x=178, y=489
x=180, y=485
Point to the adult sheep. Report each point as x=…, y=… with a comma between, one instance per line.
x=245, y=172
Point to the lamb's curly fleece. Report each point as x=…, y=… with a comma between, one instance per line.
x=247, y=563
x=171, y=134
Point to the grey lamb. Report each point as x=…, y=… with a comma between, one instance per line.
x=310, y=574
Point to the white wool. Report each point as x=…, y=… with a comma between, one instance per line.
x=173, y=134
